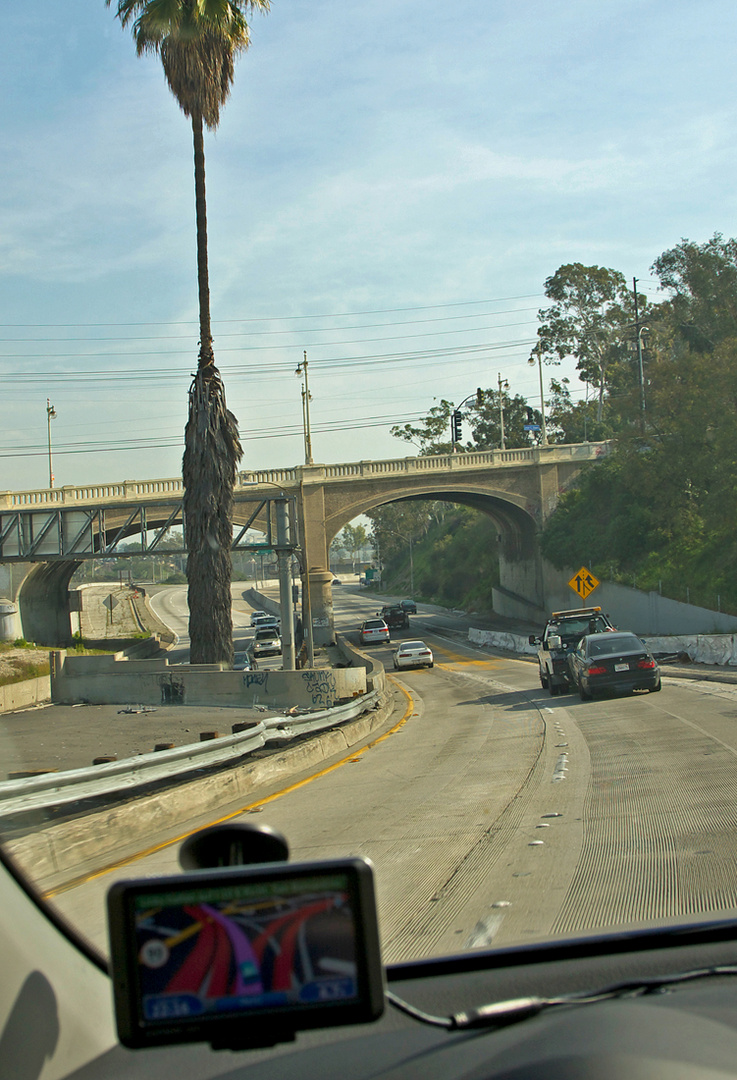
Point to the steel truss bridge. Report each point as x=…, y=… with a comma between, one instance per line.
x=50, y=533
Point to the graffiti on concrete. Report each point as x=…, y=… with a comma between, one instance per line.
x=172, y=690
x=321, y=686
x=255, y=678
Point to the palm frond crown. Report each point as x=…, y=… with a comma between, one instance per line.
x=198, y=42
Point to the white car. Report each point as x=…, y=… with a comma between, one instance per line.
x=266, y=642
x=413, y=654
x=257, y=615
x=265, y=621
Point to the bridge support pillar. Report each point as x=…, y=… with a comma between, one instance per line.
x=321, y=605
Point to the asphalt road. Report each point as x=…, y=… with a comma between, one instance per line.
x=496, y=814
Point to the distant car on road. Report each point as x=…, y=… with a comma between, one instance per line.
x=373, y=630
x=241, y=662
x=612, y=662
x=336, y=581
x=267, y=621
x=257, y=615
x=409, y=606
x=413, y=654
x=266, y=642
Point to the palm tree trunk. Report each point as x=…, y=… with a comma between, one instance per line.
x=212, y=451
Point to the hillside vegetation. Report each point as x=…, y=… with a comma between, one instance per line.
x=660, y=511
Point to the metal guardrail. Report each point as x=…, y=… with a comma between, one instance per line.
x=123, y=777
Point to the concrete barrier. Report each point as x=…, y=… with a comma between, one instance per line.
x=115, y=680
x=22, y=694
x=718, y=649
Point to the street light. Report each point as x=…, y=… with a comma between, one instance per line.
x=503, y=385
x=50, y=415
x=306, y=398
x=542, y=396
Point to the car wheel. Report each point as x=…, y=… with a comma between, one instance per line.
x=431, y=665
x=543, y=680
x=584, y=694
x=654, y=689
x=553, y=689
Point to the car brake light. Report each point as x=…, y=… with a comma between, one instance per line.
x=596, y=670
x=646, y=664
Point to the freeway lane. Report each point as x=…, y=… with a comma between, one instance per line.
x=495, y=814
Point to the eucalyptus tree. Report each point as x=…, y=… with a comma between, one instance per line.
x=197, y=42
x=590, y=319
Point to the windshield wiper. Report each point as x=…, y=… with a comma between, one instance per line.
x=503, y=1013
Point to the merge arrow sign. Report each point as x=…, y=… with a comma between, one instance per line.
x=583, y=583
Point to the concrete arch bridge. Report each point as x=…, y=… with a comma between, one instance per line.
x=44, y=534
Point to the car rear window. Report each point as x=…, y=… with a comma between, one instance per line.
x=374, y=624
x=615, y=643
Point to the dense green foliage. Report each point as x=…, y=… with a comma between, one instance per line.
x=453, y=559
x=660, y=512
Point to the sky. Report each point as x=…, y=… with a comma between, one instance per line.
x=389, y=187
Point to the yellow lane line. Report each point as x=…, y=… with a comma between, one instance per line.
x=127, y=860
x=460, y=658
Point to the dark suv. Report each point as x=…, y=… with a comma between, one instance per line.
x=395, y=617
x=409, y=606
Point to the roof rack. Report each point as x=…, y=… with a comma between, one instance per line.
x=576, y=611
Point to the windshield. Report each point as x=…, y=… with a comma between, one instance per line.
x=451, y=318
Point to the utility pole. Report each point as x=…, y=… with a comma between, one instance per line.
x=503, y=385
x=50, y=415
x=306, y=398
x=640, y=370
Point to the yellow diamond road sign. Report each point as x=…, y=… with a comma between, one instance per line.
x=583, y=582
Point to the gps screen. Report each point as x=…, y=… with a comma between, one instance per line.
x=219, y=949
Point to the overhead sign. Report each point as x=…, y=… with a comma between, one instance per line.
x=583, y=582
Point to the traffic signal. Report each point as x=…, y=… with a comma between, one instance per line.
x=456, y=427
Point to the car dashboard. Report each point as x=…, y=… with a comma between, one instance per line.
x=673, y=1014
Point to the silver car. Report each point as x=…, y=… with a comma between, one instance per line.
x=266, y=642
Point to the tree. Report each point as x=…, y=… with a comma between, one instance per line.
x=485, y=420
x=591, y=319
x=432, y=435
x=703, y=279
x=397, y=526
x=198, y=42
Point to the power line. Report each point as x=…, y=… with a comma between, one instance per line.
x=295, y=318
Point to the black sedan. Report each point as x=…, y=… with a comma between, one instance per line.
x=612, y=662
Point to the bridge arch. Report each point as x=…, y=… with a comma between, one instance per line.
x=517, y=526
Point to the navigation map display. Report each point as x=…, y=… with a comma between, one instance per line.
x=220, y=946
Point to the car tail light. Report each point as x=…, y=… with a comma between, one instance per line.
x=600, y=670
x=648, y=664
x=425, y=652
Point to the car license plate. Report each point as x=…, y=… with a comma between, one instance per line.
x=621, y=667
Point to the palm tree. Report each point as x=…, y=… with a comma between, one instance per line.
x=198, y=41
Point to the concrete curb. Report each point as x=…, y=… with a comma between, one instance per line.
x=57, y=855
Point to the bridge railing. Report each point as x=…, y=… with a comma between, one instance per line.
x=172, y=487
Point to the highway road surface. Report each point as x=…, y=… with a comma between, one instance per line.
x=495, y=814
